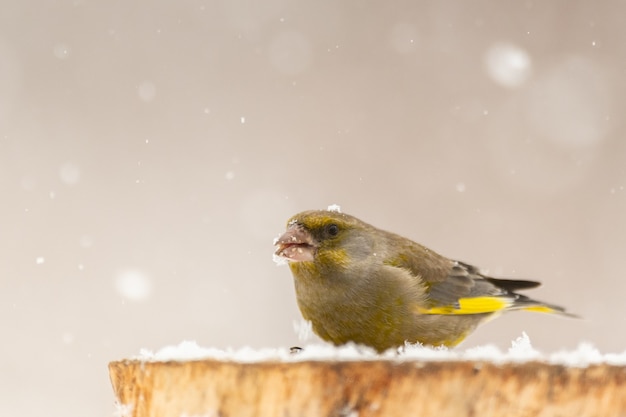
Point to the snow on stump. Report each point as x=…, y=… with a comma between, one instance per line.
x=446, y=385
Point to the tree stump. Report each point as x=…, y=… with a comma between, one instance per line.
x=385, y=387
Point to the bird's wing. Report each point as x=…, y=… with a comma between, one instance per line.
x=459, y=288
x=466, y=291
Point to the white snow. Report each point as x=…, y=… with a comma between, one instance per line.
x=279, y=260
x=403, y=38
x=586, y=355
x=508, y=64
x=123, y=410
x=189, y=350
x=304, y=329
x=69, y=174
x=133, y=285
x=146, y=91
x=334, y=207
x=521, y=351
x=67, y=338
x=61, y=50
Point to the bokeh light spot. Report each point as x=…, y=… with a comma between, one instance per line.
x=508, y=64
x=133, y=285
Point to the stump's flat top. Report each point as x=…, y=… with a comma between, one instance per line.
x=521, y=351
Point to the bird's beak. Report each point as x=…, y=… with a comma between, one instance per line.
x=296, y=244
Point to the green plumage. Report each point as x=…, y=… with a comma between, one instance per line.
x=360, y=284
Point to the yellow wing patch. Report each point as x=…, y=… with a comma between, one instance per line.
x=474, y=305
x=541, y=309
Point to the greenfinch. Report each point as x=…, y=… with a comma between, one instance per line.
x=357, y=283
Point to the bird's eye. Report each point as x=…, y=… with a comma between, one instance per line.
x=332, y=229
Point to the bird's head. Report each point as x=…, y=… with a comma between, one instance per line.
x=327, y=238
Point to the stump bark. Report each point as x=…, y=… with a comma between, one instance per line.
x=216, y=388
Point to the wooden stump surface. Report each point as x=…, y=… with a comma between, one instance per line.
x=214, y=388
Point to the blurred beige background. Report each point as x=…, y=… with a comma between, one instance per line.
x=150, y=151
